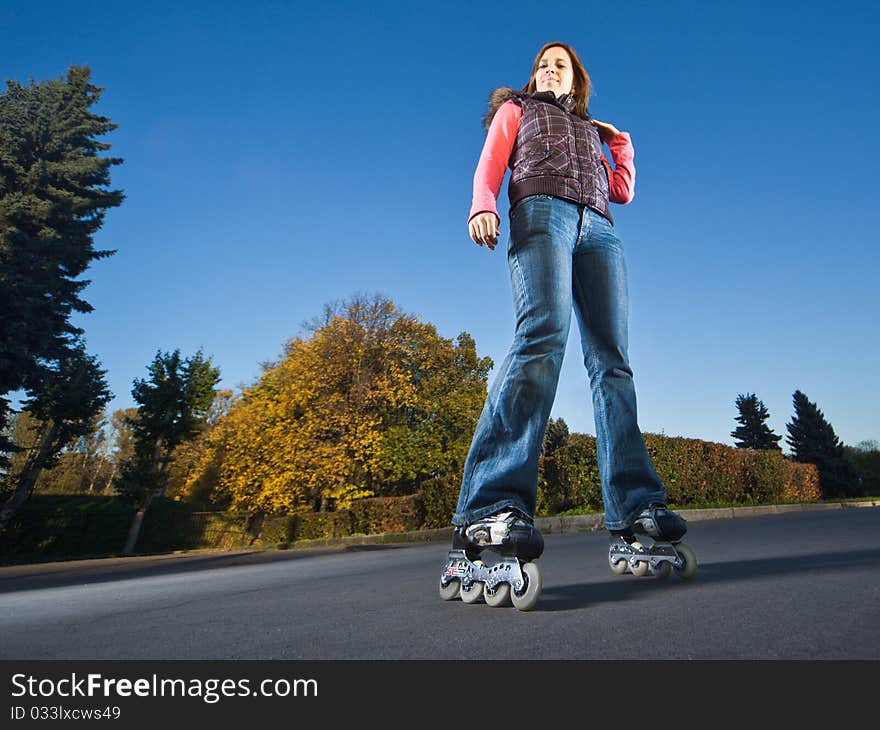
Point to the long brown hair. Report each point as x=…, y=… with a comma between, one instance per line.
x=581, y=85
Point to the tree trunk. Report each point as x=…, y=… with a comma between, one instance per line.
x=109, y=485
x=28, y=477
x=95, y=472
x=135, y=530
x=160, y=467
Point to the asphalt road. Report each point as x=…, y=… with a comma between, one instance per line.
x=792, y=586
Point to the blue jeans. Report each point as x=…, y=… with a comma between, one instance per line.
x=560, y=253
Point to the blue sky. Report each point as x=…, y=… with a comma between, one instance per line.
x=279, y=156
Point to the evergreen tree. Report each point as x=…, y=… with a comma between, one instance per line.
x=22, y=431
x=172, y=404
x=813, y=441
x=557, y=435
x=753, y=432
x=53, y=197
x=67, y=399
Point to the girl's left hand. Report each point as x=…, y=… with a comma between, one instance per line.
x=606, y=131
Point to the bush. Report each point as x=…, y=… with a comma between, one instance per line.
x=61, y=526
x=867, y=464
x=569, y=478
x=386, y=514
x=365, y=517
x=801, y=482
x=439, y=498
x=276, y=530
x=693, y=471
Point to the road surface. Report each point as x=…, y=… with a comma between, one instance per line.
x=791, y=586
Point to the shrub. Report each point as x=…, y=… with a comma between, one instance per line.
x=439, y=498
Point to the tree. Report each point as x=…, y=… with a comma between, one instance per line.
x=120, y=442
x=753, y=432
x=53, y=198
x=84, y=466
x=173, y=402
x=813, y=441
x=865, y=456
x=557, y=435
x=22, y=431
x=66, y=401
x=188, y=453
x=371, y=402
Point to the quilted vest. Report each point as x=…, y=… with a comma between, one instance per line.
x=557, y=153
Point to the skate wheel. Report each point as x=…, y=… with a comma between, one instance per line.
x=619, y=566
x=690, y=561
x=450, y=590
x=499, y=597
x=526, y=600
x=663, y=569
x=474, y=592
x=641, y=567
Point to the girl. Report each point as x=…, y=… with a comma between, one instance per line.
x=563, y=251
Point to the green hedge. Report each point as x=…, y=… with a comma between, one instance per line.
x=173, y=525
x=569, y=479
x=439, y=498
x=365, y=517
x=694, y=472
x=56, y=526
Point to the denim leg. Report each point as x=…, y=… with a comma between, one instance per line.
x=599, y=285
x=501, y=469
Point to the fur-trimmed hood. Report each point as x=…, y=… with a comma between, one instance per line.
x=496, y=99
x=506, y=93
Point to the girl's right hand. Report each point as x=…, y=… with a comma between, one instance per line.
x=483, y=228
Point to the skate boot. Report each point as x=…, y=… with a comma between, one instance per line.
x=667, y=552
x=513, y=577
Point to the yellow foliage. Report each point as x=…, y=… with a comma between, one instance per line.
x=370, y=404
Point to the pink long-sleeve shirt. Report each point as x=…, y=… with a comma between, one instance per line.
x=496, y=155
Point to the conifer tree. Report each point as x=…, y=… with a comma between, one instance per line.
x=67, y=399
x=753, y=432
x=22, y=431
x=813, y=441
x=557, y=435
x=172, y=404
x=53, y=197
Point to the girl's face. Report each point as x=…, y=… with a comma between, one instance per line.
x=554, y=72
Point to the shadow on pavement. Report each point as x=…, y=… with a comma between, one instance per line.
x=53, y=575
x=578, y=596
x=82, y=572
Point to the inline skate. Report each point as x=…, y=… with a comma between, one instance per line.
x=514, y=577
x=667, y=552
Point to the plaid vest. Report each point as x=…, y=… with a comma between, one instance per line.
x=557, y=153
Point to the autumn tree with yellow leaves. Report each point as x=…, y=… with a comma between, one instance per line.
x=370, y=403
